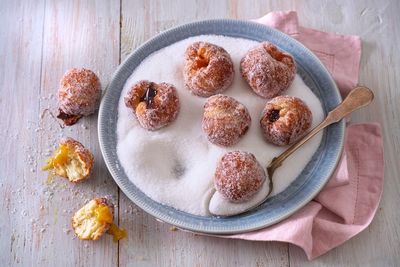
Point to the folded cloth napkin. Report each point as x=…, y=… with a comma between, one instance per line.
x=350, y=199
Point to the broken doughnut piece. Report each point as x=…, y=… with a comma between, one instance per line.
x=208, y=69
x=154, y=105
x=96, y=218
x=78, y=95
x=71, y=160
x=268, y=70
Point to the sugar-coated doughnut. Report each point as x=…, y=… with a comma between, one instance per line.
x=154, y=105
x=268, y=70
x=78, y=95
x=225, y=120
x=238, y=176
x=208, y=69
x=285, y=119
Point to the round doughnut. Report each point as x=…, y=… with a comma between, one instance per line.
x=268, y=70
x=225, y=120
x=154, y=105
x=285, y=119
x=208, y=69
x=238, y=176
x=78, y=95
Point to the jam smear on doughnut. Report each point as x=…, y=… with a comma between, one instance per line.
x=274, y=115
x=149, y=95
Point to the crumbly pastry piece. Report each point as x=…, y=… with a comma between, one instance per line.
x=94, y=219
x=154, y=105
x=208, y=69
x=285, y=119
x=268, y=70
x=71, y=160
x=79, y=95
x=238, y=176
x=225, y=120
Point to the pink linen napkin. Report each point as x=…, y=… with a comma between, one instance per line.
x=348, y=203
x=340, y=54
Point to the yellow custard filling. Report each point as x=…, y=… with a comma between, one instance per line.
x=59, y=158
x=104, y=215
x=117, y=233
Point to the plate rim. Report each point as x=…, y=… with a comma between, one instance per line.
x=193, y=227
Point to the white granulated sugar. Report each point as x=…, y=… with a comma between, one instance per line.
x=175, y=165
x=221, y=207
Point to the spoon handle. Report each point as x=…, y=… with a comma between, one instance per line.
x=359, y=97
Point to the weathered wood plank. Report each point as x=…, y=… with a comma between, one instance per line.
x=20, y=64
x=36, y=216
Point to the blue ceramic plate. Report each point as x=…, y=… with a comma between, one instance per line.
x=300, y=192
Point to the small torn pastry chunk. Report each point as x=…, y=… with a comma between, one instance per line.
x=154, y=105
x=71, y=160
x=79, y=95
x=94, y=219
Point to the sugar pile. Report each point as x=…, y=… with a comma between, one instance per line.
x=175, y=165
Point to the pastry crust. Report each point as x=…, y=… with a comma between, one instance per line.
x=225, y=120
x=268, y=70
x=71, y=160
x=238, y=176
x=285, y=119
x=94, y=219
x=208, y=69
x=154, y=105
x=78, y=95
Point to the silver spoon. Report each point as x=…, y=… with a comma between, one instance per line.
x=359, y=97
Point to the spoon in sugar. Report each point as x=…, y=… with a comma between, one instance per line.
x=359, y=97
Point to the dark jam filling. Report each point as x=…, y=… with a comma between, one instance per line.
x=274, y=115
x=68, y=119
x=149, y=95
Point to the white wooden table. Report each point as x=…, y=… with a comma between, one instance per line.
x=40, y=40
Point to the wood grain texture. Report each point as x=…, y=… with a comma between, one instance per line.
x=40, y=40
x=76, y=34
x=47, y=39
x=20, y=68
